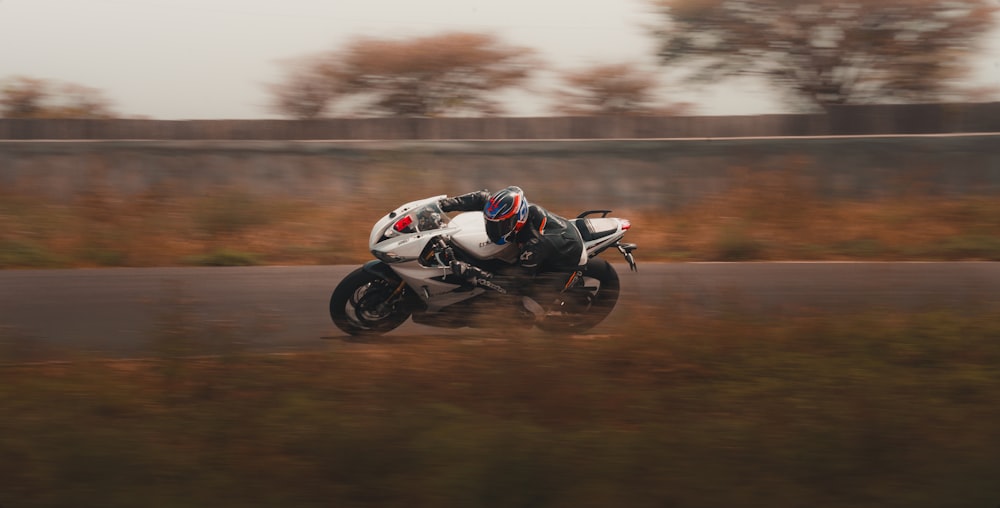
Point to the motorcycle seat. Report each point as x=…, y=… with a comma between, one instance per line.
x=591, y=229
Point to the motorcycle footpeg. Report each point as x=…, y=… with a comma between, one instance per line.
x=469, y=272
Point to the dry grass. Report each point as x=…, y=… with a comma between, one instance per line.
x=802, y=410
x=770, y=217
x=771, y=220
x=679, y=407
x=161, y=230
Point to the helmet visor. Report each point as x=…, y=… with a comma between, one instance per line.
x=499, y=230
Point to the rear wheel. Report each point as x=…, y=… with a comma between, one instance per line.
x=366, y=304
x=584, y=306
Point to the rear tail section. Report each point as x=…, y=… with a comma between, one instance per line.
x=602, y=233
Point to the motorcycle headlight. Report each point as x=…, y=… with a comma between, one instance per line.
x=388, y=257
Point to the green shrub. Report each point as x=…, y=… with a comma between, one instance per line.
x=25, y=254
x=735, y=243
x=861, y=248
x=968, y=247
x=225, y=257
x=232, y=212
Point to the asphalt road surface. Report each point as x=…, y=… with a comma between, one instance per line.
x=122, y=310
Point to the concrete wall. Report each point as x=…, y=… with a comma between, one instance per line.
x=566, y=175
x=842, y=120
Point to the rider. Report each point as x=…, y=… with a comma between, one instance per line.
x=546, y=241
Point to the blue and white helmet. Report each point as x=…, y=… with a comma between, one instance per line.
x=506, y=212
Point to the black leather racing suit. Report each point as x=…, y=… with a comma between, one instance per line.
x=547, y=242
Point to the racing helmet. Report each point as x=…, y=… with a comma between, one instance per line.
x=506, y=212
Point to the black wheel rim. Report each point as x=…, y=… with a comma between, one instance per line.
x=368, y=303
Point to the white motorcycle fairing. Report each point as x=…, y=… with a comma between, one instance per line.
x=415, y=245
x=408, y=240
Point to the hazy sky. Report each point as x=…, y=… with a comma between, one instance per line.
x=177, y=59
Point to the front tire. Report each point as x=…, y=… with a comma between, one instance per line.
x=365, y=304
x=589, y=304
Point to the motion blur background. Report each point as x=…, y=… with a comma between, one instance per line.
x=147, y=133
x=186, y=59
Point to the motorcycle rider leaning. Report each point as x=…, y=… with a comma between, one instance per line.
x=546, y=242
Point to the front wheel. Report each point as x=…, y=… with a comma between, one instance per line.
x=366, y=304
x=585, y=306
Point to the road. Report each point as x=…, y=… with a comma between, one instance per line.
x=122, y=309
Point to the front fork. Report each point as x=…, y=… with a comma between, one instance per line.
x=393, y=297
x=383, y=271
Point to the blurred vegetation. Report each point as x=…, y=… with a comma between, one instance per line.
x=828, y=52
x=767, y=216
x=685, y=409
x=230, y=227
x=452, y=73
x=612, y=89
x=819, y=53
x=26, y=97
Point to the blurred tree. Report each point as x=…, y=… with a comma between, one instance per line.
x=446, y=74
x=78, y=101
x=610, y=89
x=829, y=51
x=25, y=97
x=308, y=89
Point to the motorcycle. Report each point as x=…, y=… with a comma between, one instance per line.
x=416, y=247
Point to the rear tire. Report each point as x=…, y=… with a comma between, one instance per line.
x=589, y=304
x=359, y=305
